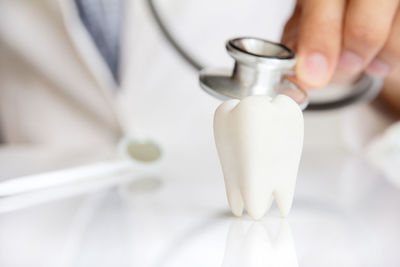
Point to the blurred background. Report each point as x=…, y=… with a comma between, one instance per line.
x=64, y=103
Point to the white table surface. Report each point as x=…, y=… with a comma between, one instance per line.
x=344, y=214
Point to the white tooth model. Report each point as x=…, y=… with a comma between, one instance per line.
x=259, y=142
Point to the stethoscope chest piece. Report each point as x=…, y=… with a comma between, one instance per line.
x=260, y=68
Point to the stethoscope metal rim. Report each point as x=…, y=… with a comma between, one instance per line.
x=365, y=89
x=232, y=45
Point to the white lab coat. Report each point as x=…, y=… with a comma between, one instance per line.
x=59, y=105
x=56, y=92
x=55, y=87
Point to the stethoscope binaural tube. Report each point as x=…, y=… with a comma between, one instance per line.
x=213, y=80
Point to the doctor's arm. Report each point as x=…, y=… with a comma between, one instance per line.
x=339, y=39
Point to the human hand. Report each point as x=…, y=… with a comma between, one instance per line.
x=342, y=38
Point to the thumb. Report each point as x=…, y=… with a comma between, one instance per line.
x=290, y=32
x=319, y=43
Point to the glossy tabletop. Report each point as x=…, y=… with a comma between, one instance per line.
x=344, y=214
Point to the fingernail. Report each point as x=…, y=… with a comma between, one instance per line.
x=314, y=69
x=378, y=68
x=350, y=62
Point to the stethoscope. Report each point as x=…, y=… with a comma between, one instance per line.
x=261, y=67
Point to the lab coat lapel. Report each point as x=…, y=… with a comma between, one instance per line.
x=57, y=48
x=86, y=47
x=90, y=55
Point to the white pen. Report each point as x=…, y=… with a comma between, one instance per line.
x=75, y=175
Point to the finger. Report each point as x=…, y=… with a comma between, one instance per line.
x=390, y=93
x=291, y=29
x=319, y=40
x=366, y=28
x=389, y=57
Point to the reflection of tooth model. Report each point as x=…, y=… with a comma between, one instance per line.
x=265, y=243
x=259, y=142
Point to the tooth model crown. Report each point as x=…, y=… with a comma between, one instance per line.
x=259, y=142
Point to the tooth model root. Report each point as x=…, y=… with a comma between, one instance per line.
x=235, y=201
x=258, y=205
